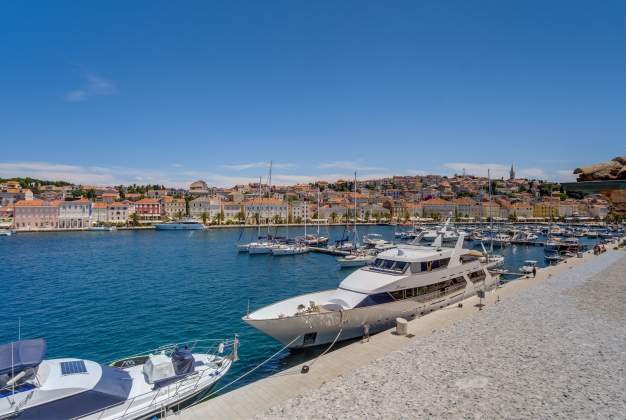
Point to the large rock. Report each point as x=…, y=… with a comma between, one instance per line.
x=614, y=169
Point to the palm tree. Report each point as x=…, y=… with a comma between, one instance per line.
x=204, y=218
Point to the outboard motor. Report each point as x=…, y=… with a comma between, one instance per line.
x=183, y=361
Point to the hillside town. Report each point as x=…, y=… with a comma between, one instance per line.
x=32, y=205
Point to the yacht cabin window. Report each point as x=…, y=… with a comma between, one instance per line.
x=390, y=265
x=417, y=267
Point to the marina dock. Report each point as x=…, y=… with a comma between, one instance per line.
x=335, y=252
x=274, y=391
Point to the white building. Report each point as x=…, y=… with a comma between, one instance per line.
x=232, y=211
x=266, y=209
x=74, y=214
x=211, y=207
x=117, y=213
x=99, y=213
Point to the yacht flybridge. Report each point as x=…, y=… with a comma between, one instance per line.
x=135, y=387
x=408, y=281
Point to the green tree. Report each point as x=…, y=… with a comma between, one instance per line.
x=241, y=216
x=134, y=219
x=205, y=217
x=333, y=217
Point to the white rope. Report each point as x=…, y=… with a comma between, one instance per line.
x=253, y=369
x=328, y=348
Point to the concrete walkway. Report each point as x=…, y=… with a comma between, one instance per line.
x=258, y=397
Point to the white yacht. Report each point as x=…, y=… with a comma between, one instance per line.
x=290, y=249
x=408, y=281
x=136, y=387
x=102, y=229
x=528, y=267
x=355, y=260
x=6, y=232
x=183, y=224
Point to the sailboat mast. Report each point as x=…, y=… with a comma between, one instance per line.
x=490, y=210
x=318, y=213
x=355, y=233
x=259, y=221
x=269, y=193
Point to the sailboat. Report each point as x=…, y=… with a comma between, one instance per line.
x=316, y=239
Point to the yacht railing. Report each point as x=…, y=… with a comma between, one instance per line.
x=440, y=293
x=180, y=390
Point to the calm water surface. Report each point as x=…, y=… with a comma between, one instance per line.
x=104, y=295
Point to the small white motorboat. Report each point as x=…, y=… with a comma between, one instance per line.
x=290, y=249
x=528, y=267
x=136, y=387
x=6, y=232
x=183, y=224
x=355, y=260
x=102, y=229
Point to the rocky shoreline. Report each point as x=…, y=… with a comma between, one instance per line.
x=556, y=350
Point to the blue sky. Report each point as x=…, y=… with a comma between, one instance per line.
x=169, y=92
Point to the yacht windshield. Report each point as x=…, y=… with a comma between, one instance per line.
x=389, y=265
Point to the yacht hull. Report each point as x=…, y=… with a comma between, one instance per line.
x=177, y=226
x=323, y=328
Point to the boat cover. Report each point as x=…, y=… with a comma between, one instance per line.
x=183, y=361
x=112, y=389
x=26, y=354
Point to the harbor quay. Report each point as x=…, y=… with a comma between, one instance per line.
x=551, y=346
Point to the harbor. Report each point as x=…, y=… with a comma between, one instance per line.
x=507, y=332
x=209, y=256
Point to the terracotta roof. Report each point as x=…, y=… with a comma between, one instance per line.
x=148, y=201
x=436, y=201
x=31, y=203
x=100, y=205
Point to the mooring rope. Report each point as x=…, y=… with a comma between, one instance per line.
x=253, y=369
x=328, y=348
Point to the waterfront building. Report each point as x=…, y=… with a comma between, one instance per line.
x=204, y=206
x=490, y=210
x=567, y=208
x=74, y=214
x=233, y=212
x=334, y=213
x=35, y=215
x=467, y=208
x=438, y=208
x=148, y=209
x=522, y=210
x=599, y=211
x=117, y=212
x=99, y=213
x=174, y=208
x=266, y=210
x=109, y=197
x=546, y=209
x=299, y=211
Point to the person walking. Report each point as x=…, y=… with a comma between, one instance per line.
x=534, y=271
x=366, y=333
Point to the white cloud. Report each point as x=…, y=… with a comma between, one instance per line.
x=94, y=86
x=254, y=165
x=502, y=171
x=349, y=165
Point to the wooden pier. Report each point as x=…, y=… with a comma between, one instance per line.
x=334, y=252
